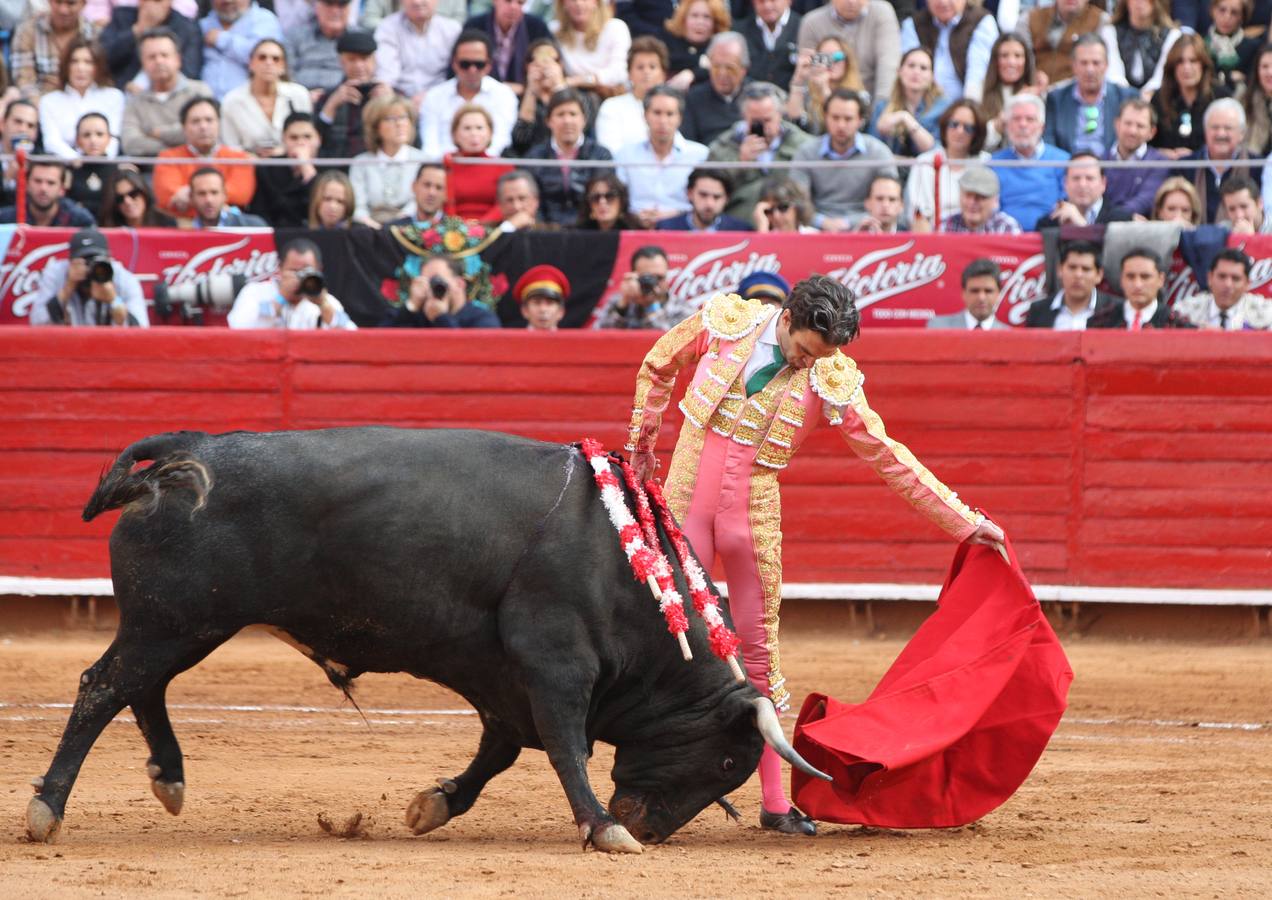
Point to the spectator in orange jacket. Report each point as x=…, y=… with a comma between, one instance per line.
x=201, y=123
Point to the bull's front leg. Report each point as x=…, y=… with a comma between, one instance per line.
x=560, y=717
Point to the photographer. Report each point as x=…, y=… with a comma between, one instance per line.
x=298, y=298
x=89, y=288
x=439, y=299
x=642, y=299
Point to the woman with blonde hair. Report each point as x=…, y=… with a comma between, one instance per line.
x=1177, y=201
x=331, y=201
x=1188, y=87
x=1143, y=33
x=1012, y=70
x=906, y=120
x=593, y=44
x=689, y=31
x=382, y=184
x=819, y=72
x=471, y=190
x=253, y=114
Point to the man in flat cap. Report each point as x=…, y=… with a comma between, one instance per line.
x=542, y=293
x=978, y=206
x=340, y=109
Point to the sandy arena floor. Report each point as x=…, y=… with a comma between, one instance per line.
x=1158, y=783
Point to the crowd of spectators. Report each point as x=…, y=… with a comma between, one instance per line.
x=420, y=99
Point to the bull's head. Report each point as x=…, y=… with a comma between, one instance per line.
x=659, y=787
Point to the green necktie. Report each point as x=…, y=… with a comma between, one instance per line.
x=762, y=377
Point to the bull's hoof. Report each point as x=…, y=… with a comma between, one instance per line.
x=170, y=793
x=615, y=839
x=428, y=811
x=43, y=824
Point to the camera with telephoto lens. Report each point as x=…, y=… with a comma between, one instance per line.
x=100, y=269
x=439, y=287
x=312, y=284
x=217, y=291
x=648, y=284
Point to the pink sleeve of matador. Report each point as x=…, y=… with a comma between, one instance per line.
x=863, y=430
x=681, y=346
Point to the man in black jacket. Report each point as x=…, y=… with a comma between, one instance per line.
x=340, y=111
x=770, y=36
x=439, y=299
x=712, y=106
x=1143, y=277
x=282, y=192
x=1078, y=300
x=128, y=23
x=511, y=32
x=561, y=187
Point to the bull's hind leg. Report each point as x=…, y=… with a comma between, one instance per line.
x=133, y=670
x=452, y=797
x=165, y=766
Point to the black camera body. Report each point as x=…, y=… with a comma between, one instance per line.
x=100, y=269
x=312, y=282
x=757, y=129
x=648, y=283
x=439, y=287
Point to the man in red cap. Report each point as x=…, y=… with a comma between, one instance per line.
x=542, y=292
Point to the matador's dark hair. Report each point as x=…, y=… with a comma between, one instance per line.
x=825, y=306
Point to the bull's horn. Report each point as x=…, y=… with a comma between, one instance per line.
x=771, y=730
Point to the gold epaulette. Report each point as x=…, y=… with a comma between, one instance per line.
x=836, y=379
x=728, y=317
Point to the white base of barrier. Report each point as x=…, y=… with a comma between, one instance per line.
x=1062, y=593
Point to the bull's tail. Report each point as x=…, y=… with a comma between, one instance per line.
x=174, y=467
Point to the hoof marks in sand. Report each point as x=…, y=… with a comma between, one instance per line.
x=355, y=826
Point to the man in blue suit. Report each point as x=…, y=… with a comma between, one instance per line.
x=1081, y=112
x=708, y=191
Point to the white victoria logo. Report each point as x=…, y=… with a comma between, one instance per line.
x=1022, y=286
x=21, y=280
x=709, y=273
x=258, y=266
x=872, y=279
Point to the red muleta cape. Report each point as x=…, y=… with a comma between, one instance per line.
x=959, y=720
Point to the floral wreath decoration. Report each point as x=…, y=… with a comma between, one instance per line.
x=454, y=237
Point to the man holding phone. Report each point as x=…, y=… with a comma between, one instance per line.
x=762, y=136
x=340, y=109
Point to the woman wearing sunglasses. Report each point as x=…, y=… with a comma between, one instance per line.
x=128, y=203
x=962, y=142
x=605, y=205
x=783, y=207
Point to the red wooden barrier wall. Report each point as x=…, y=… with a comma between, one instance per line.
x=1112, y=459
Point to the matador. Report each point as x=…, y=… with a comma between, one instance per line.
x=763, y=379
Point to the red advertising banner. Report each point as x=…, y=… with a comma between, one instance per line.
x=900, y=280
x=152, y=254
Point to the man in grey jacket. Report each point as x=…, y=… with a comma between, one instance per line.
x=839, y=194
x=980, y=282
x=152, y=118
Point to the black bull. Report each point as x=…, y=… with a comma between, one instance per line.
x=483, y=562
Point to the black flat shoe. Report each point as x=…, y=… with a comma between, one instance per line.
x=793, y=822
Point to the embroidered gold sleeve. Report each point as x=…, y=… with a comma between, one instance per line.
x=681, y=346
x=863, y=430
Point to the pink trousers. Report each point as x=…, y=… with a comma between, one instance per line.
x=734, y=516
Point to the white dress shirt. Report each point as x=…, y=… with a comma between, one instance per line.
x=770, y=37
x=440, y=105
x=60, y=113
x=1067, y=320
x=621, y=121
x=974, y=324
x=1146, y=315
x=661, y=187
x=260, y=305
x=410, y=59
x=763, y=353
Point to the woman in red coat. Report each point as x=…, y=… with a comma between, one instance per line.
x=471, y=189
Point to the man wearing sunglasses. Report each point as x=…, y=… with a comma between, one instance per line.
x=1081, y=114
x=470, y=61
